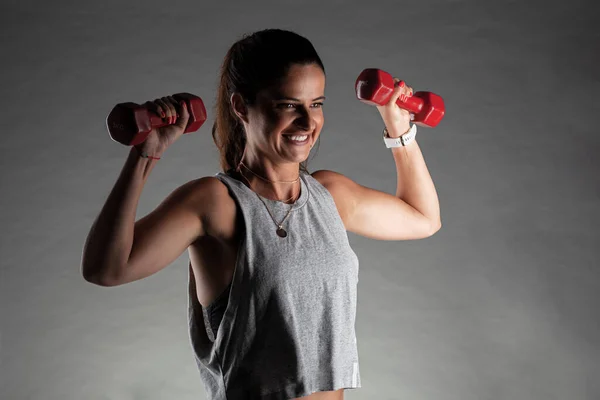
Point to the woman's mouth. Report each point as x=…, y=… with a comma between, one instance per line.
x=297, y=140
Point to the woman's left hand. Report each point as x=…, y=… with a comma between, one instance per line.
x=396, y=119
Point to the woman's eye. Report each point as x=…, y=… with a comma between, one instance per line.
x=293, y=105
x=285, y=105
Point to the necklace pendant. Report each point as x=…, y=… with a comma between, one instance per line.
x=281, y=232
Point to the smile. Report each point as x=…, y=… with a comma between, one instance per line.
x=297, y=139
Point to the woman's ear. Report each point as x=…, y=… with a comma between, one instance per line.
x=239, y=107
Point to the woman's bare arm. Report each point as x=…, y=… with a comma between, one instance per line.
x=119, y=250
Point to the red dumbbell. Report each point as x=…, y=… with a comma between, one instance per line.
x=131, y=123
x=374, y=86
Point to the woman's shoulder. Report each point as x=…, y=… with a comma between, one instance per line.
x=207, y=190
x=212, y=202
x=200, y=188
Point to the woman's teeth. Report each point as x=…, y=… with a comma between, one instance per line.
x=298, y=138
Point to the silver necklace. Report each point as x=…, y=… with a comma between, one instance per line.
x=282, y=233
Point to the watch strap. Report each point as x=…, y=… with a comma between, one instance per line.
x=401, y=140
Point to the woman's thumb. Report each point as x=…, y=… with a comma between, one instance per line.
x=398, y=87
x=184, y=114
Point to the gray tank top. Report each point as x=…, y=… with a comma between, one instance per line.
x=285, y=326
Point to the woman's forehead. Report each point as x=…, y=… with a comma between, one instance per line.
x=305, y=82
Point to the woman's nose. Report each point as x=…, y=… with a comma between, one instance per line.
x=305, y=120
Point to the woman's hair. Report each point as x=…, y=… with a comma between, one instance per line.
x=253, y=63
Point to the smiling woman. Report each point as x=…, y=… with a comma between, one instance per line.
x=289, y=107
x=272, y=284
x=284, y=326
x=271, y=88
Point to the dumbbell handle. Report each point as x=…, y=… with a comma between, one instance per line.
x=413, y=104
x=158, y=122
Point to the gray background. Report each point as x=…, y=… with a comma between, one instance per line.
x=502, y=303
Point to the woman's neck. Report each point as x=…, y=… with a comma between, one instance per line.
x=283, y=190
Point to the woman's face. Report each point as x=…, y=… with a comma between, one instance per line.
x=292, y=107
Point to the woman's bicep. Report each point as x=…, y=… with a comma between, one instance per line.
x=165, y=233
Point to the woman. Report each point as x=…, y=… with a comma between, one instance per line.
x=272, y=277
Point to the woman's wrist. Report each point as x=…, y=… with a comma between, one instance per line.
x=395, y=132
x=145, y=154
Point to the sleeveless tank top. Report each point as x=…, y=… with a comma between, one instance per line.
x=285, y=326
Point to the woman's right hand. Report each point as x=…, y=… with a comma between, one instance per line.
x=159, y=139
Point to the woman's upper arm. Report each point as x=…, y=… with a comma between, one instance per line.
x=165, y=233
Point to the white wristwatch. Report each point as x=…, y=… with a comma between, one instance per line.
x=402, y=140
